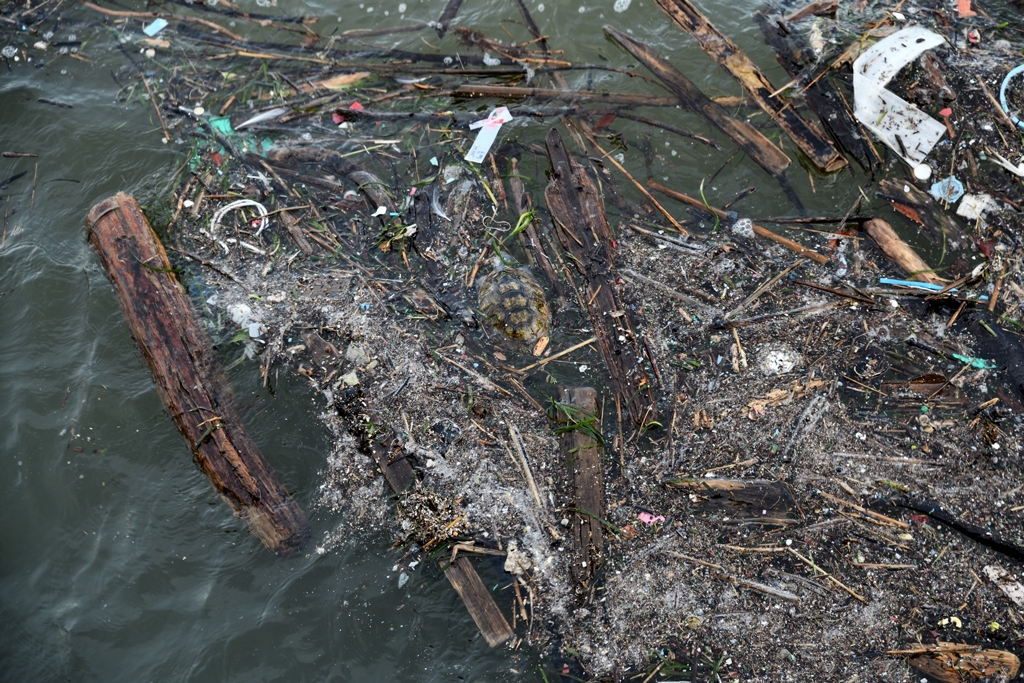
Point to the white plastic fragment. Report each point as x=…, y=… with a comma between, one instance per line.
x=1007, y=164
x=488, y=133
x=154, y=28
x=381, y=211
x=221, y=212
x=621, y=5
x=1000, y=577
x=974, y=205
x=268, y=115
x=903, y=127
x=241, y=314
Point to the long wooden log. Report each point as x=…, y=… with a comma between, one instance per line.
x=582, y=229
x=759, y=148
x=161, y=320
x=581, y=454
x=728, y=55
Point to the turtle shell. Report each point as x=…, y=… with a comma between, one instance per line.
x=514, y=304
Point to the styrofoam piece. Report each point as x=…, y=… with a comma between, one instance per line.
x=488, y=133
x=903, y=127
x=974, y=205
x=157, y=25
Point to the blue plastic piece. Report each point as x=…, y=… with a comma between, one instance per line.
x=913, y=284
x=948, y=190
x=1002, y=95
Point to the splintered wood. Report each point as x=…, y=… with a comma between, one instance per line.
x=581, y=453
x=583, y=231
x=727, y=54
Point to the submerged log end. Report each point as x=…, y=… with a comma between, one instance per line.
x=901, y=253
x=282, y=527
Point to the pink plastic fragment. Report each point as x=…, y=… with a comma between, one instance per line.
x=650, y=519
x=964, y=8
x=355, y=106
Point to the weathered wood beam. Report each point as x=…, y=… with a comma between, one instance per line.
x=582, y=229
x=390, y=458
x=822, y=96
x=478, y=601
x=177, y=351
x=728, y=55
x=581, y=455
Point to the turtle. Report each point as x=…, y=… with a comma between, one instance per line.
x=514, y=302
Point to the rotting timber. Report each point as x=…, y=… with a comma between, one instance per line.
x=773, y=427
x=177, y=351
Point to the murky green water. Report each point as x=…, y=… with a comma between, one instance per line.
x=117, y=560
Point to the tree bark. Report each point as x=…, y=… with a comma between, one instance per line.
x=174, y=345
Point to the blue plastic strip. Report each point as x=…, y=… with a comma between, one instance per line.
x=913, y=284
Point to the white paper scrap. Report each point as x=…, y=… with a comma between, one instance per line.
x=488, y=133
x=155, y=28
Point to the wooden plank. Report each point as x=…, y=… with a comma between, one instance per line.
x=727, y=54
x=759, y=148
x=177, y=351
x=581, y=456
x=478, y=600
x=583, y=231
x=390, y=458
x=387, y=452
